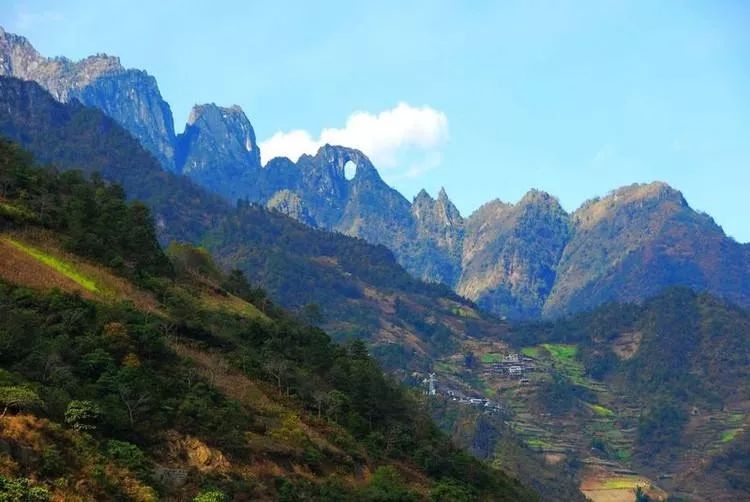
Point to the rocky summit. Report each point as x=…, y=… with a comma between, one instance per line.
x=510, y=254
x=218, y=149
x=131, y=97
x=440, y=227
x=639, y=239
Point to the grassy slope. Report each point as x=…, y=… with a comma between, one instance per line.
x=276, y=450
x=56, y=264
x=34, y=259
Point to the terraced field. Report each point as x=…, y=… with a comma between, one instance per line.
x=708, y=434
x=601, y=485
x=599, y=430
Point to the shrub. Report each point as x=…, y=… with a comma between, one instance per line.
x=19, y=398
x=129, y=456
x=450, y=491
x=211, y=496
x=20, y=490
x=388, y=485
x=83, y=415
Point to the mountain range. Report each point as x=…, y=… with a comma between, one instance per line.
x=617, y=394
x=354, y=285
x=525, y=260
x=133, y=372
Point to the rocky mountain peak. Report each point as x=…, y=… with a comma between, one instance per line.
x=646, y=197
x=131, y=97
x=335, y=158
x=422, y=198
x=59, y=75
x=215, y=111
x=657, y=190
x=447, y=210
x=218, y=149
x=538, y=197
x=97, y=65
x=488, y=210
x=226, y=125
x=15, y=50
x=440, y=211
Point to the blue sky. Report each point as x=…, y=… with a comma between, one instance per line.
x=488, y=99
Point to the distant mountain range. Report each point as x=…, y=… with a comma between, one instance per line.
x=525, y=260
x=357, y=288
x=649, y=389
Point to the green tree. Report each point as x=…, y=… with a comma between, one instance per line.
x=18, y=398
x=83, y=415
x=129, y=456
x=211, y=496
x=451, y=491
x=387, y=485
x=312, y=314
x=20, y=490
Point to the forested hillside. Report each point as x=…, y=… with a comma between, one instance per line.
x=661, y=387
x=130, y=373
x=626, y=396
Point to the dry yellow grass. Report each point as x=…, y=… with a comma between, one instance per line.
x=34, y=260
x=33, y=435
x=232, y=383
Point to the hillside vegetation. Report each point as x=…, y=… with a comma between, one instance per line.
x=354, y=289
x=651, y=396
x=661, y=386
x=215, y=392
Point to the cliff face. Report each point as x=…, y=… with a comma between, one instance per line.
x=510, y=254
x=218, y=150
x=363, y=206
x=131, y=97
x=440, y=233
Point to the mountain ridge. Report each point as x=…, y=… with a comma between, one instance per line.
x=165, y=377
x=524, y=260
x=130, y=96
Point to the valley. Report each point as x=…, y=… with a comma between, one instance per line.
x=136, y=373
x=597, y=426
x=288, y=330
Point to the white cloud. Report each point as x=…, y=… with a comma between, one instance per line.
x=288, y=144
x=382, y=137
